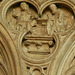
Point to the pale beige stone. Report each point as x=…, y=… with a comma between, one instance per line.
x=37, y=37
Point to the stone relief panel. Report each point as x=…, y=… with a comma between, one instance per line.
x=61, y=17
x=37, y=39
x=38, y=34
x=54, y=19
x=20, y=16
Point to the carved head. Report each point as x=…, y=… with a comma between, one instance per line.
x=24, y=6
x=53, y=8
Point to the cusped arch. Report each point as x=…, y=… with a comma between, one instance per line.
x=10, y=53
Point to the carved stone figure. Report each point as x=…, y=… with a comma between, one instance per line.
x=58, y=16
x=50, y=25
x=24, y=17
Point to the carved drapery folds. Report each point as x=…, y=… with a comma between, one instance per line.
x=42, y=32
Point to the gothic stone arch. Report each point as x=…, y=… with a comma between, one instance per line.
x=37, y=37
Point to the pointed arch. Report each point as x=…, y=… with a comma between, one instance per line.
x=8, y=54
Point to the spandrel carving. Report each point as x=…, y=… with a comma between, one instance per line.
x=39, y=29
x=38, y=32
x=39, y=38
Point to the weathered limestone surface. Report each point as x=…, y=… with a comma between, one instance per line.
x=37, y=37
